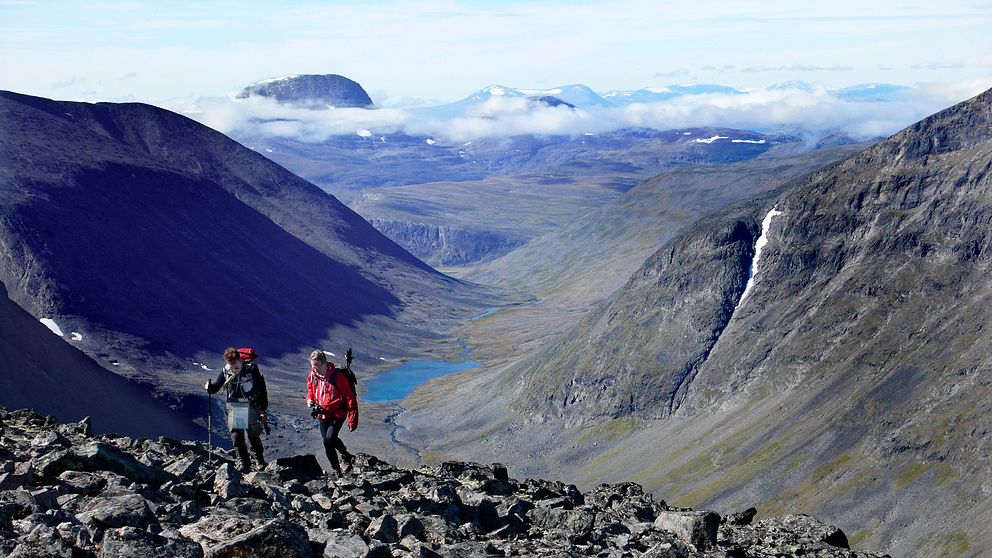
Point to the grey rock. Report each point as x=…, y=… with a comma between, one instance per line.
x=341, y=544
x=741, y=518
x=383, y=529
x=227, y=482
x=116, y=511
x=276, y=538
x=185, y=467
x=698, y=528
x=79, y=482
x=129, y=542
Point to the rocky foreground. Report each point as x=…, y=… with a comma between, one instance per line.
x=66, y=492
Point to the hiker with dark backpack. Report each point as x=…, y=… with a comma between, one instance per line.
x=331, y=399
x=247, y=402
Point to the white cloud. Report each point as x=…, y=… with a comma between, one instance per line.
x=812, y=111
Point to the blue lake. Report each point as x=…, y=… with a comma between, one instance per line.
x=396, y=383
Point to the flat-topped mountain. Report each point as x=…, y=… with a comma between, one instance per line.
x=327, y=90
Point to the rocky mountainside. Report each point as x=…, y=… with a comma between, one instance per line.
x=45, y=371
x=311, y=90
x=65, y=492
x=853, y=380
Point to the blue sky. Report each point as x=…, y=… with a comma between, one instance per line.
x=406, y=51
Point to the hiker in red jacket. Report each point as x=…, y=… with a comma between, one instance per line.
x=331, y=398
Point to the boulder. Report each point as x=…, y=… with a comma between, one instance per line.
x=741, y=518
x=98, y=456
x=116, y=511
x=697, y=528
x=276, y=538
x=128, y=542
x=300, y=467
x=227, y=482
x=340, y=543
x=383, y=529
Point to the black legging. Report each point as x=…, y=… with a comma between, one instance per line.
x=254, y=438
x=329, y=429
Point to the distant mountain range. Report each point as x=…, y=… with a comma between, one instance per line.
x=332, y=90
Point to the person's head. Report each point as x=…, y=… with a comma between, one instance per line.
x=318, y=359
x=233, y=359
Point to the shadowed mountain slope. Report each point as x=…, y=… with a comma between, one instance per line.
x=144, y=222
x=42, y=370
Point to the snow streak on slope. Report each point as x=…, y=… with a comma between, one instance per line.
x=762, y=240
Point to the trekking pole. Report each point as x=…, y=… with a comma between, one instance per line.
x=210, y=430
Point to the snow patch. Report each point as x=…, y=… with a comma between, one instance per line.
x=50, y=324
x=329, y=353
x=268, y=150
x=271, y=80
x=686, y=133
x=747, y=141
x=364, y=133
x=758, y=246
x=709, y=140
x=429, y=141
x=76, y=336
x=204, y=366
x=380, y=358
x=556, y=91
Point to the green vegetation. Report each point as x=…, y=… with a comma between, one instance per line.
x=939, y=544
x=609, y=430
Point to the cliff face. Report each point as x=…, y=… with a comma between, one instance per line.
x=64, y=492
x=875, y=268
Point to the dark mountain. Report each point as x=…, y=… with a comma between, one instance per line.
x=311, y=90
x=853, y=380
x=143, y=223
x=45, y=371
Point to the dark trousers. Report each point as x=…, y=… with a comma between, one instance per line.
x=329, y=429
x=254, y=438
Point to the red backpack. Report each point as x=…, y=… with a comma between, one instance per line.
x=248, y=354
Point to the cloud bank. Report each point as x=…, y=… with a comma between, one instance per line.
x=813, y=111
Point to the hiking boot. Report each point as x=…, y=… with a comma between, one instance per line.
x=261, y=463
x=245, y=468
x=349, y=463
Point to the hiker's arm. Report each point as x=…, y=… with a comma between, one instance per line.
x=263, y=392
x=310, y=396
x=351, y=403
x=213, y=386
